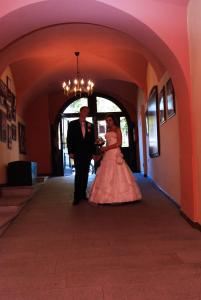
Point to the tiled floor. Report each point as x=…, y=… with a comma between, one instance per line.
x=141, y=251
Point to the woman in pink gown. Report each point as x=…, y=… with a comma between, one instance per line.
x=114, y=182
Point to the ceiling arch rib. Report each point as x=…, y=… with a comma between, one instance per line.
x=66, y=38
x=51, y=51
x=24, y=21
x=50, y=79
x=32, y=17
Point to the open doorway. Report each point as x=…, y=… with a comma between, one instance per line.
x=99, y=106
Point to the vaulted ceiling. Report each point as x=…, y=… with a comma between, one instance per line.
x=116, y=41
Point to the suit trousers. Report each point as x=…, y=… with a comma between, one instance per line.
x=81, y=177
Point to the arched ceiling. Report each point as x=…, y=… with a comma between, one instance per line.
x=39, y=38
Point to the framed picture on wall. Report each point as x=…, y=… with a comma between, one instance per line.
x=3, y=126
x=9, y=136
x=8, y=82
x=22, y=138
x=3, y=93
x=14, y=132
x=170, y=99
x=9, y=112
x=162, y=106
x=153, y=123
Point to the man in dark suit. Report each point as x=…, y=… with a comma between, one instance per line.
x=81, y=148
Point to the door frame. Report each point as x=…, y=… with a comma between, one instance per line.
x=130, y=153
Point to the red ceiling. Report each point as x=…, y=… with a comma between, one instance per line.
x=116, y=40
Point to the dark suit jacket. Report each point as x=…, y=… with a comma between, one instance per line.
x=78, y=145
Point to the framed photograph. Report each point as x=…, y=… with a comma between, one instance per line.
x=153, y=123
x=22, y=138
x=9, y=136
x=8, y=82
x=9, y=112
x=162, y=106
x=3, y=93
x=14, y=132
x=3, y=127
x=13, y=107
x=170, y=99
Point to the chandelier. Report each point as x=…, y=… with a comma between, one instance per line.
x=78, y=85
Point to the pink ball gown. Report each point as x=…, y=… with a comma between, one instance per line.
x=114, y=181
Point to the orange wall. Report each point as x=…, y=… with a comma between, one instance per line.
x=38, y=134
x=194, y=28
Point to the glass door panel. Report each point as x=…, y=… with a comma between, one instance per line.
x=101, y=129
x=124, y=131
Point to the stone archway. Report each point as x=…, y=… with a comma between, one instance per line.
x=134, y=23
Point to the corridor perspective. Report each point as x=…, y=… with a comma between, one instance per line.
x=141, y=251
x=139, y=62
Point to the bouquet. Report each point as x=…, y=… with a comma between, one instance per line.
x=99, y=143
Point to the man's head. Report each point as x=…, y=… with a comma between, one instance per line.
x=84, y=112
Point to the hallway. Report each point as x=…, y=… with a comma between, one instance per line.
x=140, y=251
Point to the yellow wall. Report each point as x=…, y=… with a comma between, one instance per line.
x=165, y=169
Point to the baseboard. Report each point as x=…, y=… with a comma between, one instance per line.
x=187, y=219
x=164, y=192
x=195, y=225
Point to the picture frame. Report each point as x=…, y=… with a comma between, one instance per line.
x=162, y=106
x=22, y=138
x=9, y=112
x=13, y=107
x=3, y=93
x=8, y=82
x=14, y=132
x=153, y=123
x=9, y=136
x=3, y=127
x=170, y=99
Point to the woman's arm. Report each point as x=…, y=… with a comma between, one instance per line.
x=117, y=144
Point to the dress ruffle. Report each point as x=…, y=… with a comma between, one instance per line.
x=114, y=182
